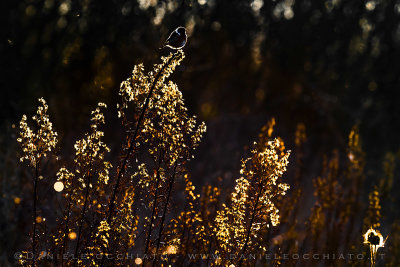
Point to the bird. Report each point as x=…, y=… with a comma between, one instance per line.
x=177, y=39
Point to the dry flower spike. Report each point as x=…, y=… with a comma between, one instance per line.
x=374, y=239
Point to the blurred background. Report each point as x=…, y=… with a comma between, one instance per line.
x=326, y=64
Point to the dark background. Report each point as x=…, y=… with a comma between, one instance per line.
x=327, y=64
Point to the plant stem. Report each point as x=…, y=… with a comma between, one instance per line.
x=183, y=233
x=82, y=217
x=153, y=211
x=121, y=169
x=251, y=223
x=131, y=145
x=65, y=231
x=209, y=252
x=35, y=182
x=171, y=182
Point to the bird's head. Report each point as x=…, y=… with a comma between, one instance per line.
x=181, y=30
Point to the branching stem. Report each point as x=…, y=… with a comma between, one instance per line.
x=121, y=169
x=254, y=211
x=171, y=182
x=154, y=209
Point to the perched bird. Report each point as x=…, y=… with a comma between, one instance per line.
x=177, y=39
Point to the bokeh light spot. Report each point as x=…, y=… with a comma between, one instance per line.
x=30, y=10
x=39, y=219
x=370, y=5
x=72, y=235
x=48, y=4
x=58, y=186
x=216, y=26
x=17, y=200
x=64, y=8
x=138, y=261
x=61, y=23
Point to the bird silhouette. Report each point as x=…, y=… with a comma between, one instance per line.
x=177, y=39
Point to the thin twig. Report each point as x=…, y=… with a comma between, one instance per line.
x=250, y=226
x=82, y=217
x=171, y=182
x=66, y=230
x=131, y=145
x=132, y=142
x=154, y=209
x=35, y=182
